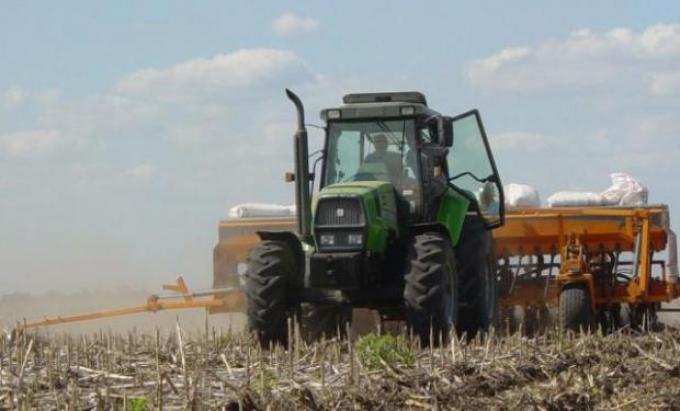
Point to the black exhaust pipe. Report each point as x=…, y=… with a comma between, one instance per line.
x=302, y=199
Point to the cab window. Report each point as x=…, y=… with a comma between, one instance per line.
x=471, y=168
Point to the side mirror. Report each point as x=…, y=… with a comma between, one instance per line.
x=445, y=131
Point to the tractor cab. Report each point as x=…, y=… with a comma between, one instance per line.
x=396, y=138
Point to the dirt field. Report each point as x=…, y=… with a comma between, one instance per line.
x=199, y=362
x=218, y=370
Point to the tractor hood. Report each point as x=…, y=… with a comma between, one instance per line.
x=356, y=188
x=368, y=206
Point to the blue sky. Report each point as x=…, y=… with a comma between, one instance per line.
x=128, y=128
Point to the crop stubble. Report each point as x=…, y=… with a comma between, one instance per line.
x=216, y=370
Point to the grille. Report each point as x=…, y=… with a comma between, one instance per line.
x=339, y=212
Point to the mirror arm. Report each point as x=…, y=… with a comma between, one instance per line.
x=467, y=173
x=492, y=178
x=315, y=126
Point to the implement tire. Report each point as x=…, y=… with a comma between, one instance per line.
x=270, y=266
x=477, y=271
x=575, y=311
x=430, y=289
x=324, y=321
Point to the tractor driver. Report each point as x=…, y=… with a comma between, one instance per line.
x=391, y=160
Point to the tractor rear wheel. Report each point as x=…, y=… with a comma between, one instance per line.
x=575, y=311
x=324, y=321
x=270, y=268
x=478, y=290
x=430, y=289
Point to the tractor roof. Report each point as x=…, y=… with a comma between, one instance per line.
x=402, y=96
x=372, y=105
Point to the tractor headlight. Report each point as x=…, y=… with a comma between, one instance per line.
x=355, y=239
x=327, y=239
x=333, y=114
x=407, y=110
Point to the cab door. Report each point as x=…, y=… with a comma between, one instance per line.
x=471, y=167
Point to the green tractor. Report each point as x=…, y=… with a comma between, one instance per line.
x=400, y=224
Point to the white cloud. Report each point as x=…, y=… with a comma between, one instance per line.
x=522, y=141
x=289, y=24
x=224, y=76
x=665, y=84
x=18, y=97
x=47, y=97
x=13, y=97
x=657, y=127
x=190, y=135
x=502, y=58
x=31, y=144
x=141, y=172
x=584, y=60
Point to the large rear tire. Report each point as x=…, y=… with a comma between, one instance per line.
x=477, y=270
x=430, y=289
x=270, y=268
x=575, y=311
x=325, y=321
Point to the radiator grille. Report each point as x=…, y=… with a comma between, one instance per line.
x=339, y=211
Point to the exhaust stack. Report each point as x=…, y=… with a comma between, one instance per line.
x=302, y=199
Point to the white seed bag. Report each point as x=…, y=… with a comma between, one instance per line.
x=625, y=191
x=521, y=196
x=574, y=199
x=250, y=210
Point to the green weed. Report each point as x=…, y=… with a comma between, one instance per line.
x=137, y=404
x=373, y=348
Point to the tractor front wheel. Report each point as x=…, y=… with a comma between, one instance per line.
x=431, y=287
x=270, y=268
